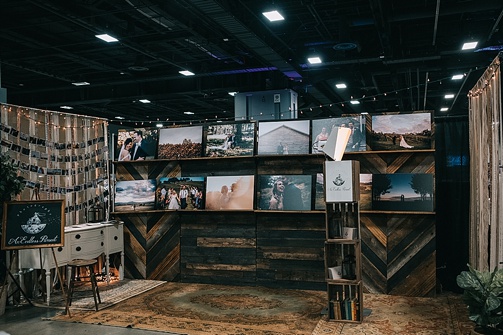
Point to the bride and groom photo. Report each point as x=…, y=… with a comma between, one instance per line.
x=401, y=132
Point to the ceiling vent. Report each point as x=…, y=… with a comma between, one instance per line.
x=138, y=65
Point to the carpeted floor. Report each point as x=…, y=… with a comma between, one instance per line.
x=201, y=309
x=198, y=309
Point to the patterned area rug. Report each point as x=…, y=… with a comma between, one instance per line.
x=201, y=309
x=111, y=294
x=443, y=315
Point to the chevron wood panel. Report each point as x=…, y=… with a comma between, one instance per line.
x=151, y=245
x=143, y=170
x=399, y=253
x=406, y=161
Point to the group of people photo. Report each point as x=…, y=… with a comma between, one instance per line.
x=179, y=197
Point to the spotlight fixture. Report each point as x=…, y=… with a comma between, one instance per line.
x=340, y=85
x=186, y=73
x=273, y=16
x=314, y=60
x=469, y=45
x=107, y=38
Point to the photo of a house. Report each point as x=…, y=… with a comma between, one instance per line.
x=283, y=137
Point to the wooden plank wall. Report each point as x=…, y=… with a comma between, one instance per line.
x=277, y=249
x=290, y=250
x=399, y=249
x=219, y=248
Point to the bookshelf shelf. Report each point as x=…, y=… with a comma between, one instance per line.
x=343, y=261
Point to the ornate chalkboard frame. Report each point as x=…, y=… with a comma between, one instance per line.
x=33, y=224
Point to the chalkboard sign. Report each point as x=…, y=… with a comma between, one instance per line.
x=33, y=224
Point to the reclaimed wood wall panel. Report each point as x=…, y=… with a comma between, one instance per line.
x=404, y=262
x=151, y=245
x=218, y=248
x=290, y=250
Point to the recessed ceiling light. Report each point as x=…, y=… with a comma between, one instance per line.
x=444, y=109
x=159, y=125
x=469, y=45
x=145, y=101
x=81, y=83
x=365, y=113
x=449, y=96
x=66, y=107
x=314, y=60
x=120, y=117
x=457, y=77
x=107, y=38
x=233, y=93
x=273, y=16
x=340, y=85
x=355, y=102
x=186, y=73
x=188, y=113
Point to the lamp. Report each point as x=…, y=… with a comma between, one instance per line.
x=96, y=213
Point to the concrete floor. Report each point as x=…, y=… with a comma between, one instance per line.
x=26, y=319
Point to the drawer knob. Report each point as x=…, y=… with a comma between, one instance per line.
x=116, y=238
x=101, y=232
x=60, y=249
x=101, y=243
x=78, y=248
x=77, y=236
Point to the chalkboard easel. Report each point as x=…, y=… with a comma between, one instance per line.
x=33, y=224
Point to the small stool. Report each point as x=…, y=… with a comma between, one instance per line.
x=75, y=265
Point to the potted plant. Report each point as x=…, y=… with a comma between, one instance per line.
x=10, y=185
x=483, y=294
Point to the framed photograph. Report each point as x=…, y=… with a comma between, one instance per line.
x=283, y=137
x=181, y=142
x=33, y=224
x=320, y=131
x=319, y=196
x=230, y=192
x=135, y=144
x=403, y=192
x=285, y=192
x=401, y=132
x=133, y=195
x=365, y=191
x=230, y=139
x=180, y=193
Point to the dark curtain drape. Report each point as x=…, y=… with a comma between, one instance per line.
x=452, y=179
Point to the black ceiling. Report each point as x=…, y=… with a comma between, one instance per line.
x=395, y=55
